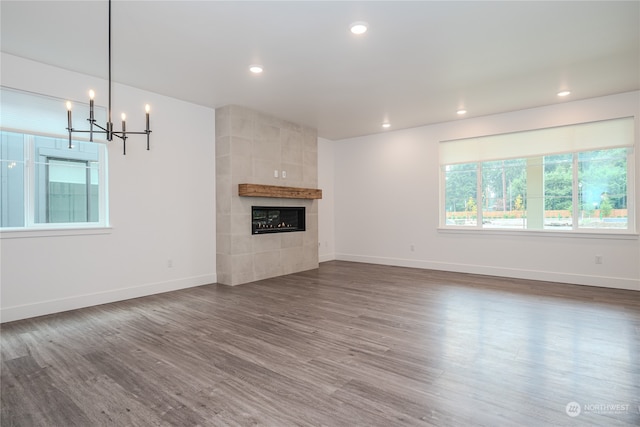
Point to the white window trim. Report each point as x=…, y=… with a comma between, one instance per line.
x=53, y=231
x=35, y=229
x=583, y=233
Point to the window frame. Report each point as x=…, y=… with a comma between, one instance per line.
x=576, y=230
x=31, y=228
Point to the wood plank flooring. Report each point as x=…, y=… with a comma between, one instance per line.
x=346, y=345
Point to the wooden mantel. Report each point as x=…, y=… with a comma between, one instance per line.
x=259, y=190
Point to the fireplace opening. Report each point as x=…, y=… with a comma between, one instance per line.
x=277, y=219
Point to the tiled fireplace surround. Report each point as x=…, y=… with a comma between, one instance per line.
x=250, y=146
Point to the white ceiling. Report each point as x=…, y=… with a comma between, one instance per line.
x=419, y=62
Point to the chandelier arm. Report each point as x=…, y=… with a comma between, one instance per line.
x=119, y=134
x=88, y=131
x=104, y=130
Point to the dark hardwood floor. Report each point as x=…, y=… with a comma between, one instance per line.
x=346, y=345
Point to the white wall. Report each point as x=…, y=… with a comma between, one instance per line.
x=326, y=221
x=386, y=200
x=162, y=206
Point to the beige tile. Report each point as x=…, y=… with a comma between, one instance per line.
x=291, y=147
x=268, y=120
x=310, y=140
x=265, y=130
x=223, y=264
x=294, y=174
x=312, y=223
x=223, y=243
x=223, y=145
x=241, y=127
x=241, y=263
x=310, y=158
x=267, y=149
x=223, y=224
x=262, y=172
x=266, y=242
x=241, y=165
x=242, y=205
x=239, y=278
x=239, y=111
x=223, y=206
x=292, y=260
x=292, y=126
x=223, y=278
x=311, y=234
x=223, y=197
x=224, y=110
x=310, y=259
x=223, y=165
x=222, y=122
x=312, y=207
x=292, y=240
x=241, y=225
x=223, y=186
x=267, y=263
x=310, y=176
x=241, y=245
x=241, y=146
x=240, y=179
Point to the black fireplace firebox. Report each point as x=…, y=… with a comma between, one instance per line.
x=277, y=219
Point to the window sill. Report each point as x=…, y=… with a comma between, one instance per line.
x=541, y=233
x=24, y=233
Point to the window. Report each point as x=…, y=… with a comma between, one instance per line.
x=572, y=178
x=44, y=183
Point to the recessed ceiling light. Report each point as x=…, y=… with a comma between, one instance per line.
x=564, y=93
x=256, y=69
x=358, y=27
x=461, y=112
x=386, y=125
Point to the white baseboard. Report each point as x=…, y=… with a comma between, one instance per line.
x=9, y=314
x=548, y=276
x=326, y=257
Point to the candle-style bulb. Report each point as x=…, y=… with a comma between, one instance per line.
x=91, y=116
x=147, y=108
x=124, y=117
x=69, y=105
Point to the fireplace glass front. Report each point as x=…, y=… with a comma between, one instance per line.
x=277, y=219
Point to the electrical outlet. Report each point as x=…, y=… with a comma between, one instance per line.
x=598, y=259
x=284, y=174
x=169, y=263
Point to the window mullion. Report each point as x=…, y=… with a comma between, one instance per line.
x=29, y=182
x=576, y=194
x=479, y=200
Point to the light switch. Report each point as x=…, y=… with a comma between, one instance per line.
x=275, y=173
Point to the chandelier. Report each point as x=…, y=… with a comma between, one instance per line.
x=108, y=129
